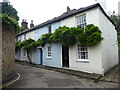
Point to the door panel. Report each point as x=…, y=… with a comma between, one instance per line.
x=65, y=56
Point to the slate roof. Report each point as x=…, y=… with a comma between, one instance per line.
x=65, y=15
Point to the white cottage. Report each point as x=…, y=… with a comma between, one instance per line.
x=96, y=59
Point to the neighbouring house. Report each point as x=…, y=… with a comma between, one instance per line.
x=96, y=59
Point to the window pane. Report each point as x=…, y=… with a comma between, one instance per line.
x=49, y=48
x=81, y=21
x=82, y=52
x=49, y=52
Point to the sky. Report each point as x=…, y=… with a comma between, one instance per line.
x=42, y=10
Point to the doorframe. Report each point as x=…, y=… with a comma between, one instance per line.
x=41, y=56
x=68, y=62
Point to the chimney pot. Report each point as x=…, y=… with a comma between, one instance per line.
x=68, y=8
x=31, y=25
x=24, y=24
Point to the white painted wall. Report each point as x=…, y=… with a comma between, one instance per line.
x=103, y=56
x=30, y=35
x=94, y=63
x=69, y=22
x=92, y=18
x=109, y=44
x=94, y=53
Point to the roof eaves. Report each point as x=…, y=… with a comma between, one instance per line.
x=68, y=15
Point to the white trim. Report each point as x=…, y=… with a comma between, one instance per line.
x=49, y=57
x=81, y=21
x=49, y=52
x=82, y=60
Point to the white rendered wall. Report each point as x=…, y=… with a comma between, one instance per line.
x=30, y=35
x=94, y=65
x=109, y=44
x=69, y=22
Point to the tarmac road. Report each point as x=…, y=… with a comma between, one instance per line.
x=32, y=77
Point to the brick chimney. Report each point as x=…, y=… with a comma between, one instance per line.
x=24, y=24
x=31, y=25
x=68, y=8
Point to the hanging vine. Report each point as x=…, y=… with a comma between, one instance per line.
x=89, y=36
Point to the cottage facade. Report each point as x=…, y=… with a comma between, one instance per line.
x=96, y=59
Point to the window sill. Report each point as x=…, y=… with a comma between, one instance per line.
x=49, y=57
x=83, y=60
x=24, y=56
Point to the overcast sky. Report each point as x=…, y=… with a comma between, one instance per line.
x=42, y=10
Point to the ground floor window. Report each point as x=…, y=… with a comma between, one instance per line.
x=49, y=52
x=82, y=52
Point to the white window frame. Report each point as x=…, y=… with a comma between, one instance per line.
x=49, y=52
x=80, y=51
x=81, y=20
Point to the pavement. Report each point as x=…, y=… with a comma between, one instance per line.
x=32, y=76
x=111, y=76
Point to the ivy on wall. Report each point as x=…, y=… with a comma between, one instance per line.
x=89, y=36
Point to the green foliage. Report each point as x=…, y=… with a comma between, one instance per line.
x=116, y=19
x=8, y=22
x=17, y=46
x=89, y=36
x=9, y=10
x=9, y=16
x=45, y=38
x=68, y=36
x=27, y=44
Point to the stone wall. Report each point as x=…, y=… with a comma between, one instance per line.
x=0, y=52
x=0, y=46
x=8, y=52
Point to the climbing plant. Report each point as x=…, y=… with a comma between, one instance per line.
x=26, y=45
x=89, y=36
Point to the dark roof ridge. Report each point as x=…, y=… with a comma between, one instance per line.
x=70, y=13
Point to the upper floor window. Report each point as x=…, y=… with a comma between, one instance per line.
x=81, y=21
x=82, y=52
x=49, y=29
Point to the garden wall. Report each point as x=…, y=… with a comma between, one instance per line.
x=8, y=52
